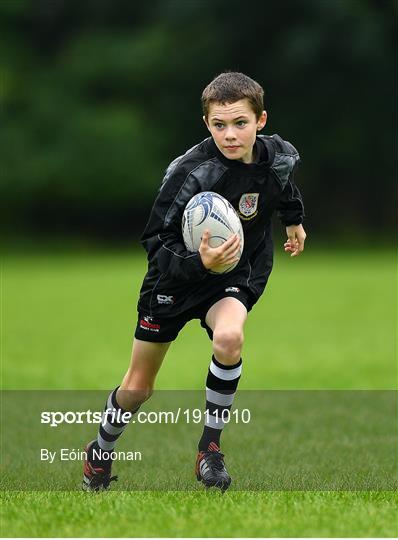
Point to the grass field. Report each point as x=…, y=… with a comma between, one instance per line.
x=326, y=321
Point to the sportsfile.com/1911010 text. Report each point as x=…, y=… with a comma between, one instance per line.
x=194, y=416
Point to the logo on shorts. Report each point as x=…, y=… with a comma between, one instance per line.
x=164, y=299
x=147, y=324
x=248, y=205
x=232, y=289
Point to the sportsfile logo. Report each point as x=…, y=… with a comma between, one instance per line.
x=55, y=418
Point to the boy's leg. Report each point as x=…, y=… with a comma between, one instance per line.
x=226, y=318
x=138, y=382
x=136, y=387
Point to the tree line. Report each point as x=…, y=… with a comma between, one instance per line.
x=99, y=96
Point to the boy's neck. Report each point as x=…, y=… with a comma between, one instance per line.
x=253, y=157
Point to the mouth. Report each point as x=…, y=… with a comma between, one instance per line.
x=232, y=147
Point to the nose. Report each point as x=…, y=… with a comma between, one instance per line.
x=230, y=134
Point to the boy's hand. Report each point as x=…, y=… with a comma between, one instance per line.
x=225, y=254
x=295, y=240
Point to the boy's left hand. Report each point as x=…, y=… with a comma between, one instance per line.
x=295, y=240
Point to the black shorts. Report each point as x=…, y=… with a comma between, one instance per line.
x=166, y=329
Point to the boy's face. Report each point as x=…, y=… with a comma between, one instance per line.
x=234, y=127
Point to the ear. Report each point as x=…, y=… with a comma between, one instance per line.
x=262, y=121
x=206, y=122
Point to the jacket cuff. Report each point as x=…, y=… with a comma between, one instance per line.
x=288, y=222
x=201, y=271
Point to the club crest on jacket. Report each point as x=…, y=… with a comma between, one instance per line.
x=248, y=205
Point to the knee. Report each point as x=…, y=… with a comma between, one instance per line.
x=227, y=345
x=130, y=397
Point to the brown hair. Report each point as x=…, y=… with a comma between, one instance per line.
x=231, y=86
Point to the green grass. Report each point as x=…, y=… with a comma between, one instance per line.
x=172, y=514
x=326, y=321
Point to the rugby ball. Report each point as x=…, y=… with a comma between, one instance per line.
x=208, y=210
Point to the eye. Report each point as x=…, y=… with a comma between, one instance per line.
x=241, y=123
x=218, y=125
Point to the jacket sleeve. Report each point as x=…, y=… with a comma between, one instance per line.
x=290, y=206
x=162, y=238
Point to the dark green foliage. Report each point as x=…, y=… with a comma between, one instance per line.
x=98, y=96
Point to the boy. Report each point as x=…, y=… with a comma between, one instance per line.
x=255, y=173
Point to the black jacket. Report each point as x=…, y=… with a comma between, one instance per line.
x=178, y=274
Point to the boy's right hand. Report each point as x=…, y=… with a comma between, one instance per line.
x=225, y=254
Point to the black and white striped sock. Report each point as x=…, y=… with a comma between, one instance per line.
x=112, y=426
x=221, y=384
